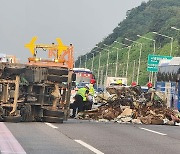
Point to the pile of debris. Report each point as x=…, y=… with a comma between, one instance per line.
x=131, y=105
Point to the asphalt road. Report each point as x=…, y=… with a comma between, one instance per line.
x=85, y=137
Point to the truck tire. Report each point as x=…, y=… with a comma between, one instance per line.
x=60, y=72
x=55, y=78
x=14, y=119
x=73, y=77
x=52, y=119
x=52, y=113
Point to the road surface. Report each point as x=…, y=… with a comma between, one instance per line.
x=87, y=137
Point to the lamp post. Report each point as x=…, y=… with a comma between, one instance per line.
x=127, y=66
x=140, y=51
x=85, y=61
x=117, y=57
x=100, y=62
x=127, y=56
x=178, y=34
x=154, y=42
x=120, y=43
x=80, y=62
x=166, y=37
x=99, y=68
x=107, y=63
x=175, y=28
x=134, y=65
x=92, y=64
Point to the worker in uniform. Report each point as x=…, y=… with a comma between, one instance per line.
x=133, y=84
x=79, y=100
x=89, y=102
x=151, y=91
x=149, y=85
x=119, y=82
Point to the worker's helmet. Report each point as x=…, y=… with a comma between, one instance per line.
x=133, y=84
x=119, y=82
x=92, y=81
x=87, y=86
x=149, y=85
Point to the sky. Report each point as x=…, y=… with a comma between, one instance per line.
x=84, y=23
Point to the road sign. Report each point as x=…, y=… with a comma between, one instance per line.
x=153, y=61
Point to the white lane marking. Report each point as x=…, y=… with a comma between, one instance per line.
x=8, y=143
x=9, y=152
x=152, y=131
x=89, y=147
x=51, y=125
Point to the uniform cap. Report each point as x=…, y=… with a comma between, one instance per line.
x=133, y=84
x=92, y=81
x=149, y=84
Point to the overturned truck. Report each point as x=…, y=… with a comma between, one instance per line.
x=39, y=90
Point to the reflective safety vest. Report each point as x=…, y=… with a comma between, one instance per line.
x=91, y=90
x=82, y=92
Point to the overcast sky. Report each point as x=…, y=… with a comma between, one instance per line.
x=83, y=23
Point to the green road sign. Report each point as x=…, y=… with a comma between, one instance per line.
x=153, y=61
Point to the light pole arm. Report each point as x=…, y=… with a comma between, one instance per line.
x=139, y=63
x=99, y=69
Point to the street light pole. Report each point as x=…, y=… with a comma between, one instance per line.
x=127, y=66
x=85, y=61
x=151, y=40
x=99, y=68
x=107, y=63
x=100, y=59
x=134, y=65
x=92, y=65
x=80, y=62
x=140, y=52
x=127, y=57
x=175, y=28
x=166, y=37
x=151, y=73
x=120, y=43
x=117, y=57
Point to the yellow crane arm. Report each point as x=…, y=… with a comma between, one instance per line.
x=31, y=45
x=60, y=46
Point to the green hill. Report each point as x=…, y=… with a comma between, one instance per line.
x=154, y=16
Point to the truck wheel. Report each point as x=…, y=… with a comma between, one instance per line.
x=53, y=71
x=55, y=78
x=15, y=119
x=73, y=77
x=52, y=119
x=52, y=113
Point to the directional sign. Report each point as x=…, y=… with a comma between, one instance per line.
x=153, y=61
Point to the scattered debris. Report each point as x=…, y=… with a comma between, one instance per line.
x=131, y=105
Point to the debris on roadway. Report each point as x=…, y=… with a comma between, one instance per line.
x=131, y=105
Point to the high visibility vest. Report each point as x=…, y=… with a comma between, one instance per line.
x=82, y=92
x=91, y=90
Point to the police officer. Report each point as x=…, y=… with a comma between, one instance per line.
x=79, y=100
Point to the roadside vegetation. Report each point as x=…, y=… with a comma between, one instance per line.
x=154, y=16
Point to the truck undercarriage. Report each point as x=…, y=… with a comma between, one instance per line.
x=37, y=91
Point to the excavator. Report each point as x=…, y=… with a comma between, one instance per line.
x=40, y=89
